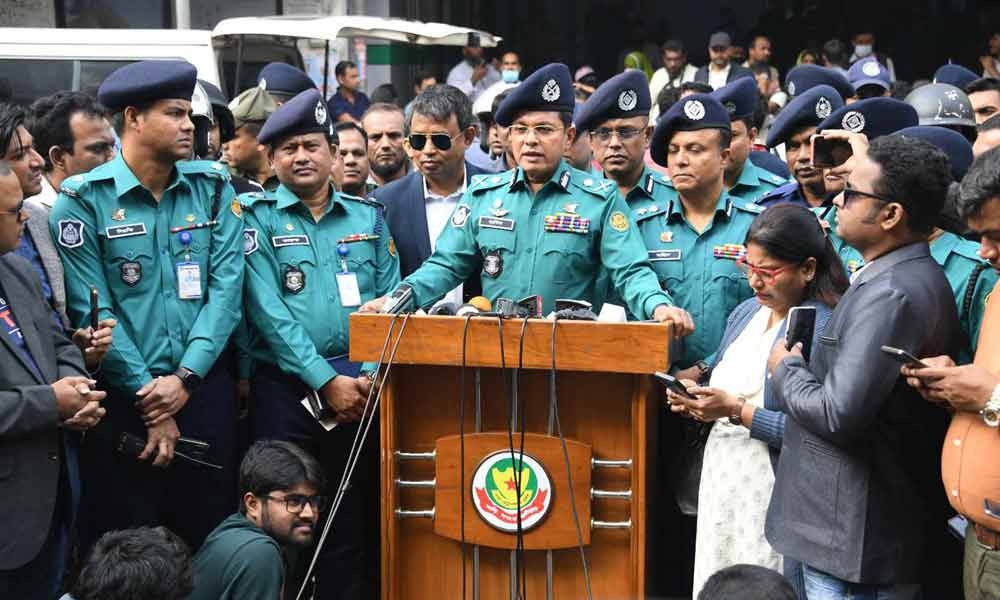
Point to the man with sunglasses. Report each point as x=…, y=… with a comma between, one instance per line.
x=441, y=128
x=543, y=228
x=244, y=558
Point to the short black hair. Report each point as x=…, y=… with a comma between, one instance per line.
x=698, y=87
x=983, y=84
x=835, y=51
x=342, y=67
x=148, y=563
x=272, y=465
x=915, y=174
x=12, y=116
x=991, y=123
x=441, y=101
x=673, y=46
x=980, y=184
x=383, y=107
x=385, y=94
x=49, y=116
x=421, y=76
x=344, y=125
x=668, y=96
x=747, y=582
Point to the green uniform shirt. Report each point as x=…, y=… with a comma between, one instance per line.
x=112, y=234
x=699, y=269
x=754, y=182
x=553, y=243
x=959, y=259
x=238, y=561
x=293, y=299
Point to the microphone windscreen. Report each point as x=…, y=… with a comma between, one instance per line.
x=444, y=309
x=482, y=303
x=467, y=309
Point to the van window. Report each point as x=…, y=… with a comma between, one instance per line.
x=31, y=79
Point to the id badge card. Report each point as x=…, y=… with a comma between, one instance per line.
x=188, y=280
x=347, y=286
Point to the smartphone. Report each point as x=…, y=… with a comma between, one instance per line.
x=801, y=323
x=674, y=385
x=904, y=357
x=194, y=448
x=93, y=308
x=399, y=300
x=131, y=445
x=829, y=152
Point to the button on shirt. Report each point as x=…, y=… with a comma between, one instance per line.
x=439, y=209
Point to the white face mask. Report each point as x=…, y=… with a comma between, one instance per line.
x=862, y=50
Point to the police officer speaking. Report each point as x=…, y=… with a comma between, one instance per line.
x=158, y=237
x=544, y=227
x=313, y=257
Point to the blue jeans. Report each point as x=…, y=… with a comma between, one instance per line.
x=821, y=586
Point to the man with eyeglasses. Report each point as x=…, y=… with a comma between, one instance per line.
x=244, y=558
x=543, y=228
x=441, y=128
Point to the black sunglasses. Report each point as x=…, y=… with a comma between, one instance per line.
x=850, y=192
x=441, y=141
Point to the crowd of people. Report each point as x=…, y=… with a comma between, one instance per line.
x=177, y=270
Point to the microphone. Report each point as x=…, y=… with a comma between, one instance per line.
x=476, y=305
x=399, y=300
x=443, y=309
x=576, y=310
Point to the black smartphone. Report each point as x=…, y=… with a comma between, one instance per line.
x=93, y=308
x=130, y=444
x=829, y=152
x=801, y=324
x=674, y=385
x=196, y=449
x=399, y=300
x=904, y=357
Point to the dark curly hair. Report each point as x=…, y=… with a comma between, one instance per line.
x=915, y=174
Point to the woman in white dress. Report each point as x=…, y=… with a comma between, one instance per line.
x=788, y=262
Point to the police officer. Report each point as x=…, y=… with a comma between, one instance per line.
x=160, y=242
x=283, y=81
x=543, y=228
x=313, y=256
x=243, y=154
x=695, y=240
x=743, y=178
x=970, y=277
x=802, y=78
x=794, y=128
x=944, y=105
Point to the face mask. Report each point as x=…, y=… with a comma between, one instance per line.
x=862, y=50
x=510, y=76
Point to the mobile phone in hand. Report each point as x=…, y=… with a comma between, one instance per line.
x=828, y=152
x=801, y=324
x=673, y=384
x=904, y=357
x=93, y=308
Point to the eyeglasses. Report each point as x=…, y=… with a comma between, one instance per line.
x=17, y=212
x=767, y=275
x=541, y=131
x=850, y=192
x=441, y=141
x=624, y=134
x=296, y=503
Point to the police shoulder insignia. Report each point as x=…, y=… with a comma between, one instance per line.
x=391, y=247
x=236, y=208
x=250, y=244
x=619, y=222
x=460, y=216
x=750, y=207
x=70, y=233
x=488, y=182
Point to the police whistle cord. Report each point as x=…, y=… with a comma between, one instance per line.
x=569, y=475
x=359, y=436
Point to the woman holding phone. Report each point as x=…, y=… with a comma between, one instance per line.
x=788, y=262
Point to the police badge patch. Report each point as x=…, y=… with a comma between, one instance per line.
x=460, y=216
x=249, y=241
x=550, y=91
x=493, y=263
x=70, y=233
x=627, y=100
x=131, y=273
x=823, y=108
x=295, y=280
x=320, y=113
x=694, y=110
x=853, y=121
x=871, y=69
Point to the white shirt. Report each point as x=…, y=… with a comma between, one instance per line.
x=717, y=79
x=662, y=79
x=46, y=197
x=439, y=209
x=460, y=76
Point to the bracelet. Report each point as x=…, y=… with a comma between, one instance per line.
x=737, y=417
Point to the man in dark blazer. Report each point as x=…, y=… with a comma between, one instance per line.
x=423, y=200
x=857, y=493
x=45, y=392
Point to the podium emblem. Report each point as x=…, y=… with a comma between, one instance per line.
x=495, y=491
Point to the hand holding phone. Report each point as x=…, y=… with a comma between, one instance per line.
x=674, y=385
x=829, y=152
x=801, y=324
x=904, y=357
x=94, y=310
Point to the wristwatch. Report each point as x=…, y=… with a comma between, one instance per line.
x=189, y=379
x=737, y=417
x=991, y=412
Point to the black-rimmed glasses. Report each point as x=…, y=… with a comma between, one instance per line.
x=296, y=503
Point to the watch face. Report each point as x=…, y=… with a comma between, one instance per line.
x=991, y=417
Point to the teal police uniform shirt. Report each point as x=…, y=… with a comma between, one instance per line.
x=294, y=301
x=699, y=269
x=176, y=304
x=552, y=243
x=959, y=259
x=754, y=183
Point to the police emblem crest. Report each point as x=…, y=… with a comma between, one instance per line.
x=493, y=263
x=853, y=121
x=295, y=280
x=823, y=108
x=791, y=88
x=118, y=215
x=70, y=233
x=320, y=113
x=131, y=272
x=250, y=244
x=460, y=216
x=694, y=110
x=550, y=91
x=628, y=100
x=871, y=69
x=619, y=222
x=511, y=491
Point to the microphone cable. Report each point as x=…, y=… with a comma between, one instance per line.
x=461, y=448
x=517, y=473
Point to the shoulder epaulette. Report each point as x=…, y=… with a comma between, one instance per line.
x=647, y=213
x=749, y=207
x=366, y=201
x=598, y=186
x=782, y=190
x=205, y=167
x=480, y=183
x=248, y=199
x=968, y=249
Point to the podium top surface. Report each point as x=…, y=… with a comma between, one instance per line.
x=579, y=345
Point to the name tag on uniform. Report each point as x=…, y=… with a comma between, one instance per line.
x=658, y=255
x=347, y=287
x=496, y=223
x=120, y=231
x=189, y=281
x=280, y=241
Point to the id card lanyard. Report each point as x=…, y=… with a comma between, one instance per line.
x=347, y=281
x=188, y=273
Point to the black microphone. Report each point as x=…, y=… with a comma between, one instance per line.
x=400, y=299
x=575, y=310
x=444, y=309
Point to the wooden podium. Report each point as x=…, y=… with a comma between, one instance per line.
x=607, y=407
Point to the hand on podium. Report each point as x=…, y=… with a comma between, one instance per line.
x=373, y=306
x=682, y=321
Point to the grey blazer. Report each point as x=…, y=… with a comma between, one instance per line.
x=858, y=483
x=30, y=450
x=38, y=225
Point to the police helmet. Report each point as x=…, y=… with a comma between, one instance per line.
x=201, y=115
x=943, y=105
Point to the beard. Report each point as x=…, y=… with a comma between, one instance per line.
x=384, y=170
